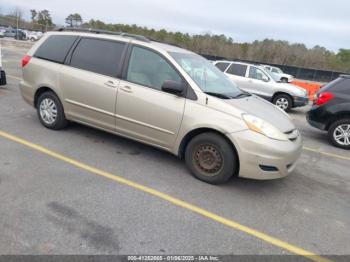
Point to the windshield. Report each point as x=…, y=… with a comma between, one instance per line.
x=272, y=75
x=207, y=76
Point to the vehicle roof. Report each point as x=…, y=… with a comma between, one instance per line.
x=239, y=62
x=126, y=38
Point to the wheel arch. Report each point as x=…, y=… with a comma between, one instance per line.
x=337, y=117
x=283, y=93
x=195, y=132
x=42, y=90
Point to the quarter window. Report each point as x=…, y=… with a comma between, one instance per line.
x=99, y=56
x=222, y=66
x=148, y=68
x=343, y=86
x=55, y=48
x=237, y=69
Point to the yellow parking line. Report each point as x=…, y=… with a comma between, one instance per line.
x=325, y=153
x=230, y=223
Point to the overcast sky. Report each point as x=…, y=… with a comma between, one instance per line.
x=312, y=22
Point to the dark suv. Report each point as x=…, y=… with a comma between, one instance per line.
x=331, y=111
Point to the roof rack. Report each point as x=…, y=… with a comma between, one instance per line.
x=162, y=42
x=105, y=32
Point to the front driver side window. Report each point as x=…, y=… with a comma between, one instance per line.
x=258, y=74
x=149, y=69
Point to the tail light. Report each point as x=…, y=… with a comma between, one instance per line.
x=25, y=60
x=324, y=98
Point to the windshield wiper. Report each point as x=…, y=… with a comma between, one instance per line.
x=243, y=94
x=219, y=95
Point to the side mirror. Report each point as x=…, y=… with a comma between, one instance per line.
x=173, y=87
x=265, y=78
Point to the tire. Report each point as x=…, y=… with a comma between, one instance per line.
x=283, y=101
x=284, y=80
x=340, y=128
x=211, y=159
x=49, y=105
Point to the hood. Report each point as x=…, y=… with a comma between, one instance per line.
x=264, y=110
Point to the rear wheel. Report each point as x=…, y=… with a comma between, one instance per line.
x=211, y=158
x=283, y=101
x=50, y=111
x=339, y=133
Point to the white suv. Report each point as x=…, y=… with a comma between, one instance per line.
x=256, y=80
x=283, y=77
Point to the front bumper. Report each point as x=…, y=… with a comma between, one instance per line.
x=263, y=158
x=300, y=101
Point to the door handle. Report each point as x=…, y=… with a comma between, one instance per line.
x=110, y=83
x=126, y=89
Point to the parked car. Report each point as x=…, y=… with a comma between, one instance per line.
x=14, y=33
x=2, y=72
x=281, y=76
x=254, y=79
x=331, y=111
x=33, y=36
x=2, y=33
x=160, y=95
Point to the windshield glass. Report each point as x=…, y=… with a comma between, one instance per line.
x=274, y=77
x=207, y=76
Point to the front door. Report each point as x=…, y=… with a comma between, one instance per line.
x=260, y=83
x=143, y=110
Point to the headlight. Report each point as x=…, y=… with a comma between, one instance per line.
x=260, y=126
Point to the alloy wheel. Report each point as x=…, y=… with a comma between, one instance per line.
x=48, y=111
x=282, y=103
x=341, y=134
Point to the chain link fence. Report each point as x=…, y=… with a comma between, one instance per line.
x=309, y=74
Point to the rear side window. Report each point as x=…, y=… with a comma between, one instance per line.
x=338, y=85
x=222, y=66
x=55, y=48
x=99, y=56
x=343, y=86
x=237, y=69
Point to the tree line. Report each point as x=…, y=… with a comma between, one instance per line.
x=265, y=51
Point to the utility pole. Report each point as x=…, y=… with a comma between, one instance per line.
x=17, y=16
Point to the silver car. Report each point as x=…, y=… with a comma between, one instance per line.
x=280, y=75
x=159, y=95
x=256, y=80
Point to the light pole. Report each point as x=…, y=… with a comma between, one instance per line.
x=17, y=16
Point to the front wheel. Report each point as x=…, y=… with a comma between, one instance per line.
x=339, y=133
x=211, y=158
x=283, y=101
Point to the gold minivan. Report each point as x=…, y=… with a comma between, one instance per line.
x=160, y=95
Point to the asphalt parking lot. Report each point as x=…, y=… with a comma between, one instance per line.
x=101, y=194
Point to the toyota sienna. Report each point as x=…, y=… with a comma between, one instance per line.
x=160, y=95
